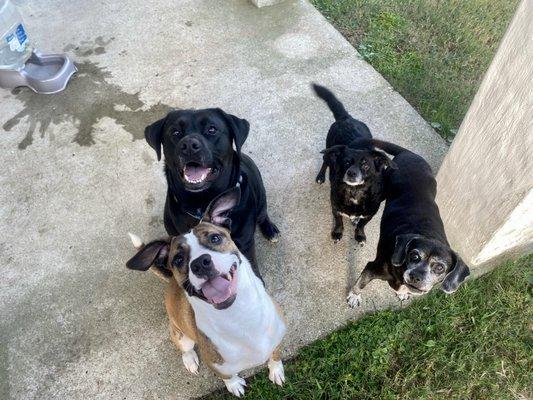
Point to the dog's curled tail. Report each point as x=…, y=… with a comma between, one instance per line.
x=334, y=104
x=158, y=271
x=391, y=148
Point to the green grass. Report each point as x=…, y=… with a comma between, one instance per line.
x=474, y=344
x=433, y=52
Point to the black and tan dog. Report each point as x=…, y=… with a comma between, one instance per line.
x=200, y=164
x=413, y=252
x=214, y=300
x=355, y=169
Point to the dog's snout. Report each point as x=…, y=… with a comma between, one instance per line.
x=351, y=173
x=190, y=146
x=203, y=266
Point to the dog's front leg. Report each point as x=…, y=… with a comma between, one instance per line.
x=360, y=236
x=276, y=372
x=369, y=274
x=186, y=345
x=321, y=177
x=235, y=385
x=338, y=227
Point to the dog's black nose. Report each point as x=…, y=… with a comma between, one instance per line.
x=351, y=173
x=190, y=145
x=203, y=266
x=415, y=277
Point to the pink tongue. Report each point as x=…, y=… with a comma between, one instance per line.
x=195, y=173
x=217, y=289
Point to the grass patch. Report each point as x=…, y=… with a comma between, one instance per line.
x=475, y=344
x=433, y=52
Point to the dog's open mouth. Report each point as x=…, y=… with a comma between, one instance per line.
x=195, y=173
x=221, y=288
x=414, y=289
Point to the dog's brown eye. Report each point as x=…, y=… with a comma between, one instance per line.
x=365, y=167
x=212, y=130
x=438, y=268
x=178, y=260
x=215, y=238
x=414, y=256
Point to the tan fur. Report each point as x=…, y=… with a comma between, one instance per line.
x=202, y=232
x=276, y=354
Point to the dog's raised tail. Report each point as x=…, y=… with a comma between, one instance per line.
x=334, y=104
x=136, y=240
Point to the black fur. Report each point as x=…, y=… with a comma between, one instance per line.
x=351, y=161
x=206, y=138
x=412, y=236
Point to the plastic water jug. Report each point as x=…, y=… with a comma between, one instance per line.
x=15, y=47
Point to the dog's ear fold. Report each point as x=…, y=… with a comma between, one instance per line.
x=456, y=275
x=154, y=135
x=382, y=161
x=401, y=247
x=218, y=209
x=153, y=254
x=332, y=153
x=239, y=128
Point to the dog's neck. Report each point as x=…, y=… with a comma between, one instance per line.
x=199, y=200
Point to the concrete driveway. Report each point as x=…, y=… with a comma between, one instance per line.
x=77, y=175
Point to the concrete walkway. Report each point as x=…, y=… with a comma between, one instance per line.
x=76, y=176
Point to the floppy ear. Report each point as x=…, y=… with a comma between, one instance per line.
x=456, y=275
x=400, y=248
x=154, y=135
x=382, y=161
x=154, y=253
x=332, y=153
x=239, y=128
x=218, y=209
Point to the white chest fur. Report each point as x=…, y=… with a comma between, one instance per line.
x=246, y=333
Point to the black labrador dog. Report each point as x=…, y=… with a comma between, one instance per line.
x=355, y=169
x=200, y=164
x=413, y=252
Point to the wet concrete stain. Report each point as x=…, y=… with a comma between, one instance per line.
x=88, y=98
x=89, y=47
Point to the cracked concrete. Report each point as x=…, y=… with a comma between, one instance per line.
x=75, y=176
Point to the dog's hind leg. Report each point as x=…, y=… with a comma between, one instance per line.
x=186, y=346
x=371, y=271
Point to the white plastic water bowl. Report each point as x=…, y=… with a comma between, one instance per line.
x=42, y=73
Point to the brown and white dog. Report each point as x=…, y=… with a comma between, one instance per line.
x=214, y=300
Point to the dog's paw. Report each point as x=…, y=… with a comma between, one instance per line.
x=270, y=231
x=320, y=179
x=336, y=236
x=191, y=362
x=276, y=373
x=235, y=385
x=354, y=299
x=360, y=238
x=403, y=296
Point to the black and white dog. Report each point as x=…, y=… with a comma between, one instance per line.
x=355, y=169
x=413, y=252
x=200, y=164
